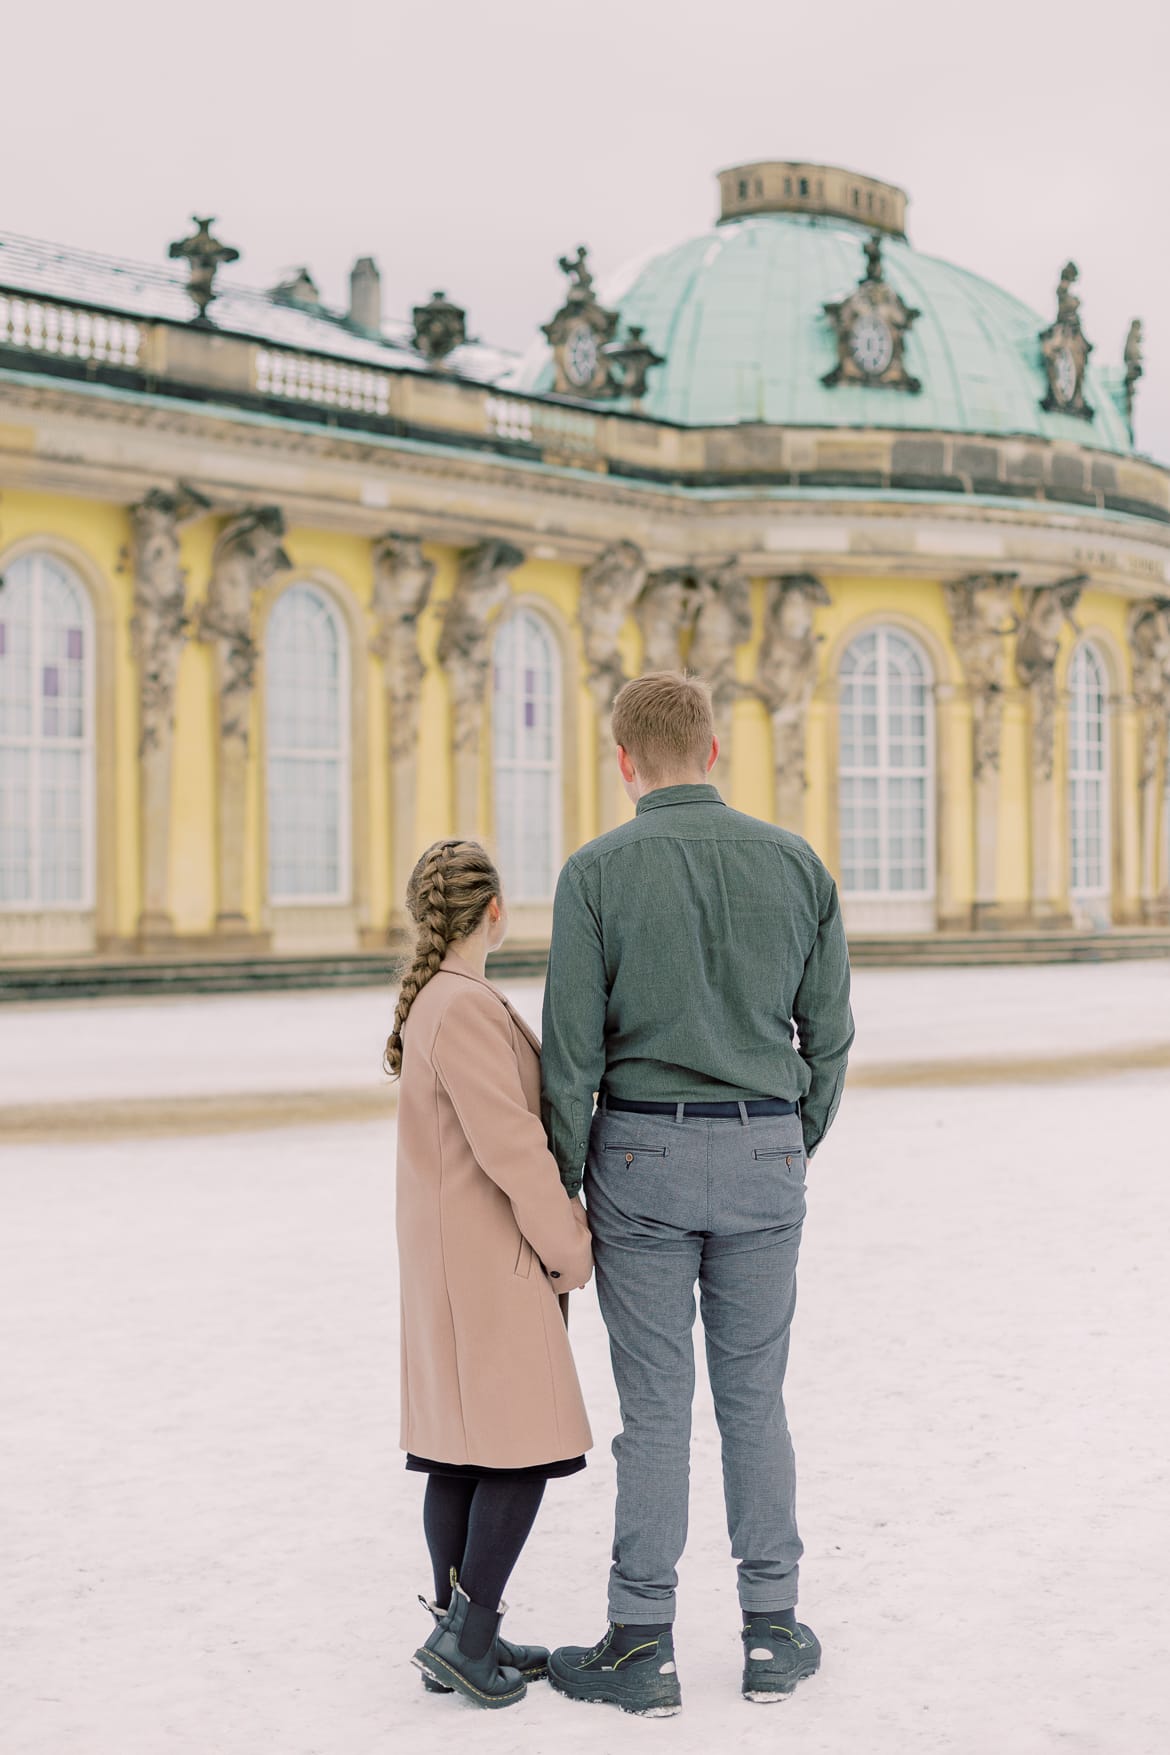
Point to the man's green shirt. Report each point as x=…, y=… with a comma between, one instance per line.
x=686, y=945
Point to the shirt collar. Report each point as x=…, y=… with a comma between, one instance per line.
x=702, y=794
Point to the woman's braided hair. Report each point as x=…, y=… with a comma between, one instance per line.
x=446, y=897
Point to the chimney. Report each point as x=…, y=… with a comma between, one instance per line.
x=365, y=295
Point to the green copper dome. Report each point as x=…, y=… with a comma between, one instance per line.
x=738, y=315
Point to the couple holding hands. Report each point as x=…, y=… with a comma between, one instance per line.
x=698, y=989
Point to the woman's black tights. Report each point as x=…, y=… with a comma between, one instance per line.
x=479, y=1527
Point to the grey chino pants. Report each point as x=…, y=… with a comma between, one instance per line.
x=674, y=1202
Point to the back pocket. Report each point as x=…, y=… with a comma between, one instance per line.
x=630, y=1153
x=790, y=1160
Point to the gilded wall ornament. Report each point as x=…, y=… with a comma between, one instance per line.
x=1064, y=351
x=204, y=256
x=870, y=327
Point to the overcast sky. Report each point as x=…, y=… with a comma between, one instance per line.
x=466, y=146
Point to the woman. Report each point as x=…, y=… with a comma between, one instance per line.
x=487, y=1238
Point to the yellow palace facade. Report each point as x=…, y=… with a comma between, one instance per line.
x=287, y=592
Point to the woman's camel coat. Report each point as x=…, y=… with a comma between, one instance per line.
x=487, y=1375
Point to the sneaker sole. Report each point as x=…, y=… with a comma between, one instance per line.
x=451, y=1682
x=767, y=1696
x=597, y=1694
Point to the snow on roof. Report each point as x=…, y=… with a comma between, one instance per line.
x=140, y=289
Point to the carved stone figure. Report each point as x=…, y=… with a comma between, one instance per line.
x=158, y=632
x=1149, y=644
x=204, y=256
x=1064, y=352
x=402, y=589
x=723, y=622
x=1134, y=366
x=786, y=675
x=610, y=587
x=1046, y=609
x=870, y=328
x=633, y=358
x=439, y=327
x=483, y=586
x=246, y=556
x=159, y=626
x=982, y=617
x=666, y=610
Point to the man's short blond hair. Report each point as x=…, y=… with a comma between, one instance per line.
x=665, y=723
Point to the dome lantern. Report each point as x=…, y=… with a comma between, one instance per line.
x=788, y=187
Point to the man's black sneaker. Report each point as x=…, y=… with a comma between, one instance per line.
x=775, y=1659
x=643, y=1680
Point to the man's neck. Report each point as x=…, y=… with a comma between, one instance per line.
x=645, y=786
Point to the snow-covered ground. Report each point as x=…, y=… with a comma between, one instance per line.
x=210, y=1546
x=206, y=1043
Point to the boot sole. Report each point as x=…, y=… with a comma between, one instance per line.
x=597, y=1694
x=451, y=1682
x=768, y=1696
x=433, y=1687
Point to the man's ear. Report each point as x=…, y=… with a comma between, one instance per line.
x=714, y=756
x=625, y=766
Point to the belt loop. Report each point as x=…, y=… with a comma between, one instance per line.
x=679, y=1110
x=743, y=1114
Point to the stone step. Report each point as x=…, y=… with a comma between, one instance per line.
x=122, y=977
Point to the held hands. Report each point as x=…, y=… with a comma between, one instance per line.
x=576, y=1268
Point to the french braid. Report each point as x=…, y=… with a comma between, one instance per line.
x=446, y=897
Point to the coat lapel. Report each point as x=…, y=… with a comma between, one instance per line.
x=454, y=965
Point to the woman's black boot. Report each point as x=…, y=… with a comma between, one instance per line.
x=462, y=1654
x=530, y=1660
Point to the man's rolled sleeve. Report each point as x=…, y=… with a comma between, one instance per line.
x=573, y=1047
x=822, y=1015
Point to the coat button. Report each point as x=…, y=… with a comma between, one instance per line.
x=629, y=1157
x=553, y=1274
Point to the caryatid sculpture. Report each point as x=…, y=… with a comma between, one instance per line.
x=1149, y=645
x=610, y=587
x=158, y=632
x=723, y=622
x=786, y=675
x=666, y=611
x=246, y=558
x=483, y=585
x=982, y=617
x=1046, y=610
x=403, y=578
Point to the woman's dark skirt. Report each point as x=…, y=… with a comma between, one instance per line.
x=425, y=1465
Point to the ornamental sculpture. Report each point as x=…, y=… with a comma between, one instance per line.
x=482, y=587
x=204, y=256
x=666, y=610
x=588, y=358
x=1064, y=352
x=786, y=675
x=982, y=618
x=247, y=555
x=402, y=588
x=610, y=587
x=1134, y=367
x=1047, y=609
x=159, y=626
x=870, y=328
x=1149, y=644
x=440, y=326
x=723, y=623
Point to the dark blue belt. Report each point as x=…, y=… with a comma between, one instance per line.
x=706, y=1111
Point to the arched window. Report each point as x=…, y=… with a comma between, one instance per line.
x=46, y=736
x=526, y=749
x=307, y=700
x=886, y=768
x=1088, y=773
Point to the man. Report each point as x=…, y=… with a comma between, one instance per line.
x=685, y=946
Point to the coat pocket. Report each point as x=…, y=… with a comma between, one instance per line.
x=523, y=1268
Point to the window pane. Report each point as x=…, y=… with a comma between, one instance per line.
x=886, y=761
x=307, y=720
x=526, y=713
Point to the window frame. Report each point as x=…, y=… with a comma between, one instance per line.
x=880, y=632
x=1088, y=651
x=516, y=890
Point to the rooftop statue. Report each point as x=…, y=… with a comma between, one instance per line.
x=440, y=326
x=204, y=256
x=1064, y=352
x=870, y=328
